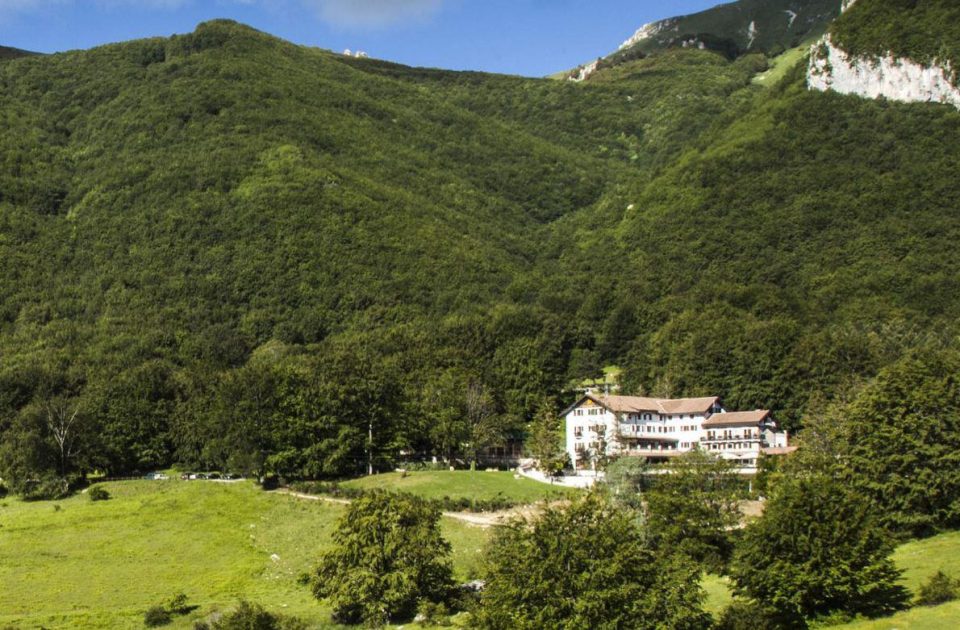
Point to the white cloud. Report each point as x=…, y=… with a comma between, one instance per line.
x=372, y=14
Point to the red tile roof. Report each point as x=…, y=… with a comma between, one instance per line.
x=635, y=404
x=737, y=418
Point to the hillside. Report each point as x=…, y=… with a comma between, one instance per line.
x=13, y=53
x=732, y=29
x=237, y=253
x=886, y=49
x=740, y=27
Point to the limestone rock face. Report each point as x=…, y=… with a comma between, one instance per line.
x=898, y=79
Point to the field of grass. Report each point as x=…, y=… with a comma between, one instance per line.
x=463, y=483
x=781, y=64
x=80, y=564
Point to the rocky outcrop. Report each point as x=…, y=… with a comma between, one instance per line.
x=898, y=79
x=648, y=31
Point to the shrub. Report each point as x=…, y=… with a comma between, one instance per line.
x=178, y=604
x=249, y=616
x=746, y=615
x=98, y=493
x=45, y=489
x=433, y=614
x=939, y=589
x=446, y=503
x=156, y=616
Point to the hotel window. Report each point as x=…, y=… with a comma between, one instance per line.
x=578, y=432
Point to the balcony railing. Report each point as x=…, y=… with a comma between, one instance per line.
x=733, y=438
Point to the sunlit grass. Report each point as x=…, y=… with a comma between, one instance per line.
x=463, y=483
x=83, y=564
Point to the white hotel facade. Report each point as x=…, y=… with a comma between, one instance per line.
x=661, y=428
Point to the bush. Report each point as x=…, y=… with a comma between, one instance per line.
x=178, y=604
x=156, y=616
x=250, y=616
x=433, y=614
x=746, y=615
x=448, y=504
x=98, y=493
x=45, y=489
x=939, y=589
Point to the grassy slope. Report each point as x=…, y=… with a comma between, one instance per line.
x=919, y=560
x=478, y=485
x=100, y=565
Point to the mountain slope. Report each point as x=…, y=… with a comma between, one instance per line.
x=905, y=52
x=739, y=27
x=732, y=29
x=13, y=53
x=185, y=220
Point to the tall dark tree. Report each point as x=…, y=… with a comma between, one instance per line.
x=585, y=565
x=819, y=548
x=691, y=507
x=903, y=438
x=388, y=555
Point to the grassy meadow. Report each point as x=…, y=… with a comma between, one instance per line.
x=463, y=483
x=82, y=564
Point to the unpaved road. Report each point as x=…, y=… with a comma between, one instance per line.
x=478, y=519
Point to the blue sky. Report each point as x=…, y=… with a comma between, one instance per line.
x=528, y=37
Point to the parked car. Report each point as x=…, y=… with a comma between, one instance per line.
x=213, y=476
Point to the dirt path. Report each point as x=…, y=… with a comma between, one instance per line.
x=478, y=519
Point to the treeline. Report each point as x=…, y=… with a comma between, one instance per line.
x=301, y=412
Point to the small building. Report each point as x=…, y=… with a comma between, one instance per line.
x=602, y=426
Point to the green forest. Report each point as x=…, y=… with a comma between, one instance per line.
x=225, y=251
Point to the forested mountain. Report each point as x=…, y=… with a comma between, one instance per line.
x=740, y=27
x=229, y=251
x=13, y=53
x=732, y=29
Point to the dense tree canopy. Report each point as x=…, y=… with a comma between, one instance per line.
x=903, y=441
x=235, y=252
x=388, y=556
x=585, y=566
x=819, y=548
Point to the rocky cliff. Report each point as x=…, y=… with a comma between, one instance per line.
x=890, y=76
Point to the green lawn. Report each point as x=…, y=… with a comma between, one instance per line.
x=781, y=64
x=463, y=483
x=101, y=565
x=943, y=617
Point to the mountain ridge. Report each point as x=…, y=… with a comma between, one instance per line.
x=732, y=29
